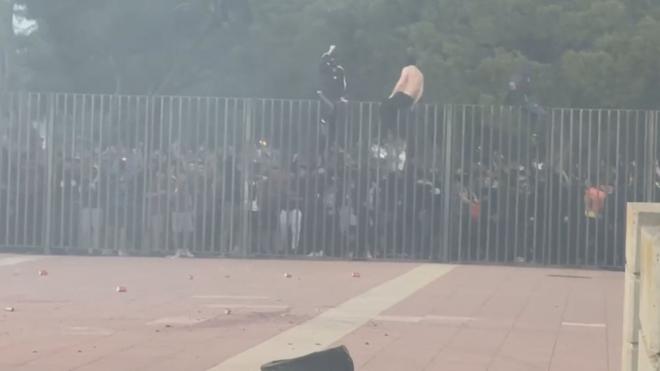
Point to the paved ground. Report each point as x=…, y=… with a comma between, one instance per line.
x=393, y=317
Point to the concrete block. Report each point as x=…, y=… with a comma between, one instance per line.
x=649, y=288
x=632, y=237
x=631, y=309
x=629, y=357
x=645, y=361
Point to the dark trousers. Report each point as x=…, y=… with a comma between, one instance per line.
x=393, y=111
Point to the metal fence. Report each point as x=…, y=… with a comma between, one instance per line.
x=262, y=177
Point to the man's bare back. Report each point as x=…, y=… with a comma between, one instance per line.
x=411, y=83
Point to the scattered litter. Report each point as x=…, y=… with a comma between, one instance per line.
x=386, y=334
x=43, y=273
x=227, y=312
x=79, y=351
x=366, y=343
x=318, y=344
x=227, y=276
x=288, y=275
x=35, y=351
x=121, y=289
x=9, y=309
x=356, y=274
x=168, y=326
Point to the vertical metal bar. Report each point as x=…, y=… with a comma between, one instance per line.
x=205, y=179
x=359, y=183
x=548, y=207
x=74, y=181
x=61, y=184
x=92, y=196
x=26, y=224
x=370, y=211
x=223, y=201
x=245, y=205
x=10, y=165
x=535, y=217
x=448, y=151
x=168, y=169
x=651, y=135
x=503, y=182
x=415, y=167
x=32, y=202
x=516, y=185
x=460, y=183
x=589, y=178
x=346, y=180
x=148, y=150
x=20, y=171
x=431, y=198
x=607, y=180
x=49, y=168
x=487, y=153
x=434, y=169
x=617, y=190
x=232, y=190
x=216, y=166
x=561, y=228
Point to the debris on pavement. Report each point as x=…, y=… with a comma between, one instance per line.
x=121, y=289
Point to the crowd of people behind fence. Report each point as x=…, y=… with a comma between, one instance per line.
x=265, y=199
x=254, y=201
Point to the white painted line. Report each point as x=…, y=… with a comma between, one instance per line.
x=422, y=319
x=15, y=260
x=184, y=321
x=448, y=319
x=229, y=297
x=580, y=324
x=401, y=319
x=248, y=306
x=334, y=324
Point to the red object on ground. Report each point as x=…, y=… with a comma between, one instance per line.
x=121, y=289
x=356, y=274
x=43, y=273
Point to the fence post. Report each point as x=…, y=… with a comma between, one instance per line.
x=245, y=204
x=448, y=113
x=651, y=121
x=50, y=143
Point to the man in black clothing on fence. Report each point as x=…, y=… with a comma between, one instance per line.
x=332, y=93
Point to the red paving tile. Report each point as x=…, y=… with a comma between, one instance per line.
x=474, y=318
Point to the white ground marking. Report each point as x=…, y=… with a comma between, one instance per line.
x=230, y=297
x=580, y=324
x=334, y=324
x=15, y=260
x=250, y=307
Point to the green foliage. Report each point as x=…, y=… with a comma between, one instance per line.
x=582, y=52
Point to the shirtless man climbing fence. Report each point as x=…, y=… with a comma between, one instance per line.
x=407, y=92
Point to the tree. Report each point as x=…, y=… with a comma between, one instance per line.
x=581, y=52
